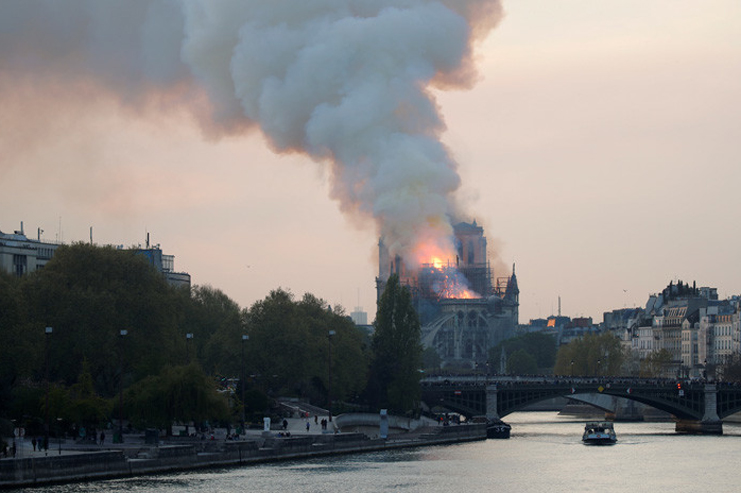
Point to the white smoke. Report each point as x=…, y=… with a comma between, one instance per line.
x=347, y=82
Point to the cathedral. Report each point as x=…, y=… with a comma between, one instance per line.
x=460, y=325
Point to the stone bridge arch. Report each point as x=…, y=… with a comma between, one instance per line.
x=698, y=407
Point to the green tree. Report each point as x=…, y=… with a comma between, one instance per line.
x=593, y=354
x=655, y=364
x=541, y=346
x=82, y=404
x=397, y=351
x=178, y=394
x=88, y=295
x=21, y=351
x=217, y=326
x=288, y=348
x=522, y=363
x=431, y=360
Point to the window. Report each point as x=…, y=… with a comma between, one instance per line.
x=20, y=265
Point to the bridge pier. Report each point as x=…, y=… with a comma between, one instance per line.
x=710, y=424
x=492, y=415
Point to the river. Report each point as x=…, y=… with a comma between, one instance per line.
x=544, y=454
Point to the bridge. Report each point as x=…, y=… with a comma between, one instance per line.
x=699, y=407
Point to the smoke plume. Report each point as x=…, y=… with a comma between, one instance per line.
x=347, y=82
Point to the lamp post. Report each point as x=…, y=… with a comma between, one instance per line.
x=188, y=337
x=59, y=438
x=242, y=381
x=572, y=367
x=48, y=331
x=705, y=369
x=121, y=334
x=16, y=432
x=329, y=390
x=599, y=367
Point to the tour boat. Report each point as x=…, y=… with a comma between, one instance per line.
x=599, y=433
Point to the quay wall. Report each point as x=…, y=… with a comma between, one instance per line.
x=85, y=466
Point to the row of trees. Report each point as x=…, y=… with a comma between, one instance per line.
x=528, y=354
x=592, y=355
x=88, y=295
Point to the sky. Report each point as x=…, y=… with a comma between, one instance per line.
x=599, y=148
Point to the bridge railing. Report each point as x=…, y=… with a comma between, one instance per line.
x=509, y=380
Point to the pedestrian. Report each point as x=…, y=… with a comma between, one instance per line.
x=308, y=425
x=102, y=437
x=316, y=419
x=33, y=442
x=285, y=424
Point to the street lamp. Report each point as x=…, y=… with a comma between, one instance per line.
x=245, y=338
x=599, y=367
x=188, y=337
x=572, y=367
x=121, y=334
x=59, y=438
x=48, y=331
x=329, y=391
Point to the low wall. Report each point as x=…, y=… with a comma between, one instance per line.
x=21, y=472
x=97, y=465
x=374, y=420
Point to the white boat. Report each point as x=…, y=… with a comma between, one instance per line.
x=599, y=433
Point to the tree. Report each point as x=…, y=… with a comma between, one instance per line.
x=288, y=348
x=178, y=394
x=217, y=325
x=521, y=363
x=541, y=346
x=729, y=369
x=20, y=353
x=431, y=360
x=655, y=364
x=83, y=405
x=593, y=354
x=397, y=351
x=88, y=294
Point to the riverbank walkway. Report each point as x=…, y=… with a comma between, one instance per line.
x=69, y=461
x=134, y=441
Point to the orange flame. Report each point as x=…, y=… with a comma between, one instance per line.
x=440, y=266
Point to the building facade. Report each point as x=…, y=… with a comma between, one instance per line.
x=20, y=255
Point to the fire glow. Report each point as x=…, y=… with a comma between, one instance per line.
x=445, y=280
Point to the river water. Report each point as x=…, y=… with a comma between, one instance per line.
x=544, y=454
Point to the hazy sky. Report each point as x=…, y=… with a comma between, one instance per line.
x=599, y=149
